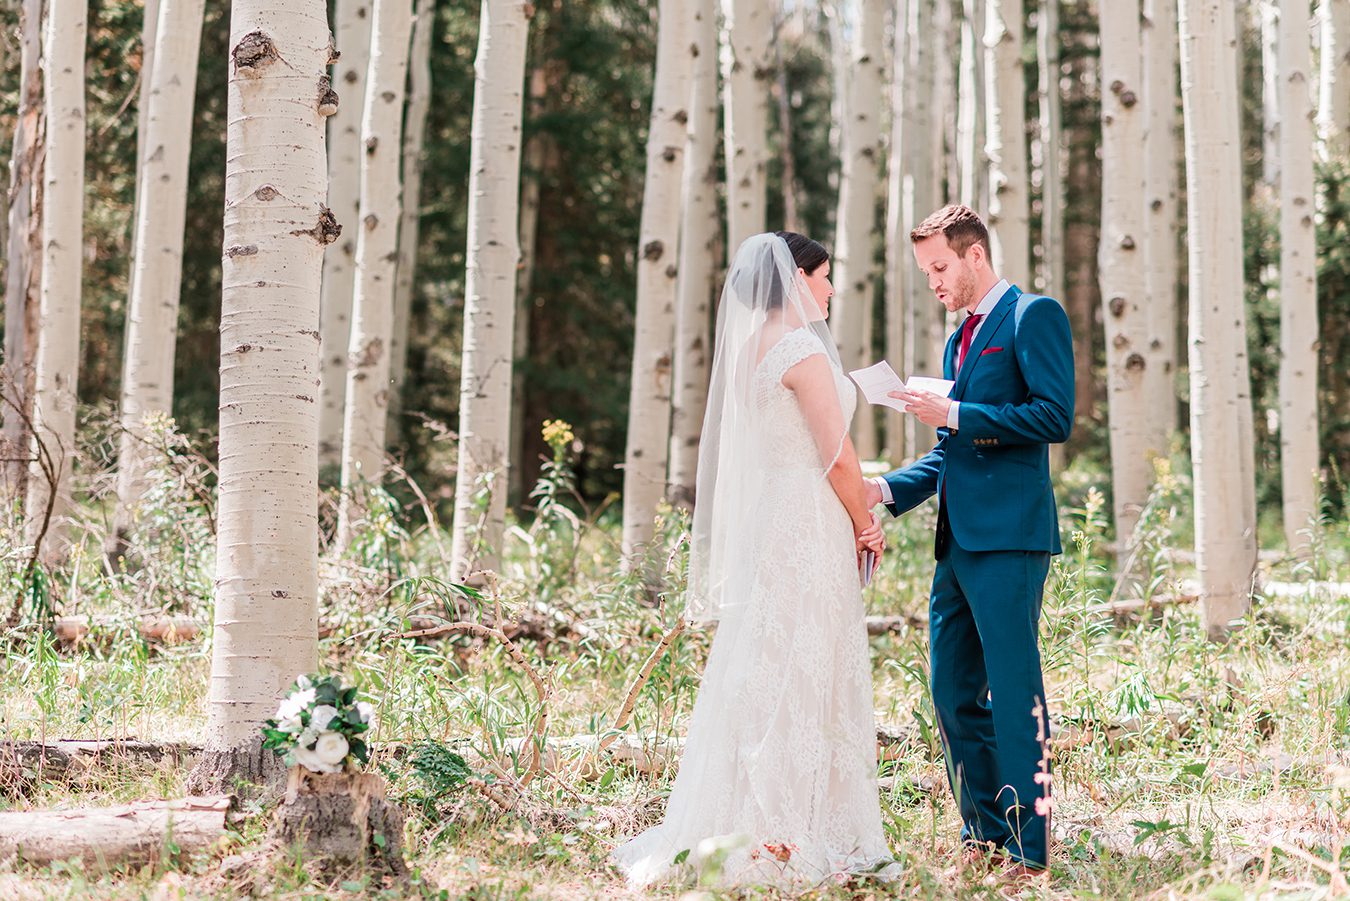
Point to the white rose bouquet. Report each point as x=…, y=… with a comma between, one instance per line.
x=319, y=724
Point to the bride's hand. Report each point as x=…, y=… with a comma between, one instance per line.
x=872, y=537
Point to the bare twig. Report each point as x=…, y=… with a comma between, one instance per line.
x=630, y=701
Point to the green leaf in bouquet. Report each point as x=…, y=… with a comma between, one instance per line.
x=349, y=696
x=358, y=749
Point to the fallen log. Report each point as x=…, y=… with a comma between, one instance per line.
x=34, y=760
x=886, y=625
x=137, y=832
x=163, y=629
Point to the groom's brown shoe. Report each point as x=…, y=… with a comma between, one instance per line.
x=984, y=856
x=1022, y=875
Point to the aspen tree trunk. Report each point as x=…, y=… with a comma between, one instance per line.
x=791, y=216
x=1159, y=238
x=538, y=153
x=971, y=109
x=1269, y=14
x=840, y=54
x=1009, y=205
x=1052, y=174
x=1225, y=541
x=367, y=396
x=947, y=52
x=157, y=255
x=149, y=35
x=859, y=178
x=1299, y=446
x=644, y=473
x=489, y=286
x=699, y=237
x=410, y=215
x=276, y=228
x=747, y=66
x=58, y=352
x=1333, y=104
x=1082, y=225
x=899, y=258
x=921, y=151
x=352, y=21
x=1125, y=308
x=23, y=256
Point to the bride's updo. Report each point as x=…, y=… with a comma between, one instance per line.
x=807, y=255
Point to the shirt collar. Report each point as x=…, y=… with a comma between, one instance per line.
x=990, y=300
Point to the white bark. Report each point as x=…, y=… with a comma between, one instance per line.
x=700, y=234
x=1159, y=238
x=157, y=255
x=410, y=215
x=23, y=270
x=1125, y=309
x=1270, y=92
x=352, y=21
x=1006, y=140
x=747, y=73
x=1225, y=538
x=861, y=154
x=58, y=354
x=899, y=258
x=921, y=154
x=149, y=35
x=1299, y=446
x=489, y=288
x=1333, y=105
x=971, y=109
x=135, y=833
x=1052, y=170
x=367, y=397
x=276, y=228
x=645, y=457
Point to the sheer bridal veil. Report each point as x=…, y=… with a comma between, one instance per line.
x=764, y=299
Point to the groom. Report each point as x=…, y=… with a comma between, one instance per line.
x=1012, y=360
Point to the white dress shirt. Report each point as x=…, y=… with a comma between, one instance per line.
x=982, y=309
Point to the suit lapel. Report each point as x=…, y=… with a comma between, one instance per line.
x=1000, y=312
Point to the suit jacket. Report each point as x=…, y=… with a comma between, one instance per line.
x=1016, y=394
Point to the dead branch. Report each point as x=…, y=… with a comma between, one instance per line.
x=630, y=700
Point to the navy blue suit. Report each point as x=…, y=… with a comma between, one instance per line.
x=997, y=528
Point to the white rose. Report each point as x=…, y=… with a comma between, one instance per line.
x=367, y=713
x=322, y=716
x=332, y=748
x=290, y=724
x=303, y=682
x=294, y=704
x=311, y=761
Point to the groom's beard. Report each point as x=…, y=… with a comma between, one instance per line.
x=963, y=293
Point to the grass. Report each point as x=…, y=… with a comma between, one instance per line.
x=1184, y=768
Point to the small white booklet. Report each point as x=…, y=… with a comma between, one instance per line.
x=877, y=380
x=867, y=567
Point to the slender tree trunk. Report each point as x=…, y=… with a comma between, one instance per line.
x=747, y=66
x=352, y=19
x=925, y=324
x=149, y=42
x=368, y=367
x=1333, y=105
x=157, y=255
x=1159, y=238
x=1299, y=445
x=1270, y=92
x=792, y=220
x=1082, y=219
x=644, y=474
x=1224, y=540
x=489, y=287
x=1009, y=205
x=276, y=227
x=1125, y=308
x=23, y=256
x=58, y=354
x=410, y=215
x=859, y=178
x=898, y=257
x=840, y=54
x=947, y=52
x=971, y=109
x=699, y=237
x=1052, y=174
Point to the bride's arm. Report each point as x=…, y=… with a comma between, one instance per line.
x=813, y=383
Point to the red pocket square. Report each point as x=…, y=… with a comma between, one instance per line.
x=991, y=350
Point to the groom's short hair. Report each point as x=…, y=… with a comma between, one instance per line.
x=959, y=224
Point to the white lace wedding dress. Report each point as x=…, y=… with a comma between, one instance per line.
x=777, y=782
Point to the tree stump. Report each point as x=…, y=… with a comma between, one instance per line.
x=343, y=822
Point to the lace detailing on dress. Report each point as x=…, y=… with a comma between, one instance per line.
x=777, y=783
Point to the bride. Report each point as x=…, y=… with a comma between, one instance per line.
x=777, y=784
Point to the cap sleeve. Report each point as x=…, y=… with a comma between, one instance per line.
x=790, y=350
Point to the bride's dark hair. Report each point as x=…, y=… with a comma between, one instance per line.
x=807, y=254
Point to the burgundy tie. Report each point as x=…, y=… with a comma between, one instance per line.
x=967, y=335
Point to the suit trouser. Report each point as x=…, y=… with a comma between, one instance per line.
x=986, y=666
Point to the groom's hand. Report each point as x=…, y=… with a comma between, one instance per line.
x=930, y=409
x=871, y=491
